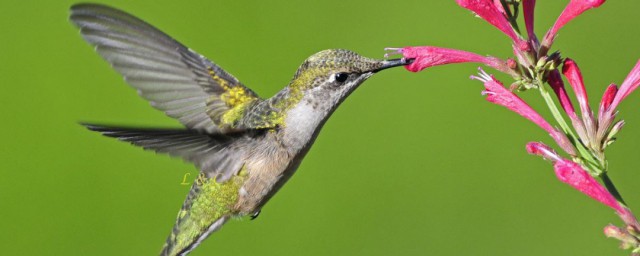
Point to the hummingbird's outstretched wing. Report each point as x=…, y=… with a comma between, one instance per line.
x=173, y=78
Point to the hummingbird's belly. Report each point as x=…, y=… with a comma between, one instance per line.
x=265, y=175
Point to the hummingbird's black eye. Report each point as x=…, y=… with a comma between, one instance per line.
x=341, y=77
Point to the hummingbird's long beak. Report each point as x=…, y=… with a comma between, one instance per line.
x=393, y=63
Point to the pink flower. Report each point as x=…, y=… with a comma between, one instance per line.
x=429, y=56
x=574, y=175
x=629, y=85
x=498, y=94
x=555, y=81
x=528, y=7
x=537, y=148
x=571, y=11
x=607, y=99
x=489, y=11
x=574, y=76
x=607, y=112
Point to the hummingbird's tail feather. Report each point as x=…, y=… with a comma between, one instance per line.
x=213, y=195
x=208, y=206
x=172, y=246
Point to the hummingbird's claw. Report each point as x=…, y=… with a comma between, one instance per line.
x=255, y=215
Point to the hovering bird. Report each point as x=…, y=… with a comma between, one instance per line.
x=245, y=147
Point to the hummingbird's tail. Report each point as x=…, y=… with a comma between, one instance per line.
x=207, y=207
x=214, y=193
x=173, y=247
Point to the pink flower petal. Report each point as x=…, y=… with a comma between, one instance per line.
x=528, y=7
x=571, y=11
x=573, y=174
x=555, y=81
x=628, y=86
x=574, y=76
x=488, y=10
x=608, y=115
x=538, y=148
x=498, y=94
x=607, y=99
x=499, y=6
x=429, y=56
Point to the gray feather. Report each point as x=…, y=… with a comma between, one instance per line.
x=219, y=156
x=173, y=78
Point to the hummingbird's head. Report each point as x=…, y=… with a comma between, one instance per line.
x=321, y=83
x=328, y=77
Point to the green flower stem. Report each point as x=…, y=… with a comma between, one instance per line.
x=598, y=167
x=555, y=111
x=512, y=17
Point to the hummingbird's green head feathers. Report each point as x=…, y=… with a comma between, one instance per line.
x=331, y=75
x=339, y=66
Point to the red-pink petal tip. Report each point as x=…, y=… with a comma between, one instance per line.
x=538, y=148
x=630, y=84
x=571, y=11
x=493, y=13
x=572, y=72
x=528, y=7
x=607, y=98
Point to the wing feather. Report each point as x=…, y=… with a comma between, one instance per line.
x=214, y=154
x=173, y=78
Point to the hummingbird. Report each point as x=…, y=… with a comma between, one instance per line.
x=245, y=147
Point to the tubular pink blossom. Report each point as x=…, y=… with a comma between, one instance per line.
x=528, y=7
x=629, y=85
x=571, y=11
x=555, y=81
x=607, y=116
x=538, y=148
x=498, y=94
x=574, y=76
x=607, y=98
x=573, y=174
x=429, y=56
x=488, y=10
x=572, y=73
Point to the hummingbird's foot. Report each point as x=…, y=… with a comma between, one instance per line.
x=255, y=215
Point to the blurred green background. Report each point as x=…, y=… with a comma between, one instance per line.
x=411, y=164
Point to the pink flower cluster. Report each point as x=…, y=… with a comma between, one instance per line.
x=532, y=67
